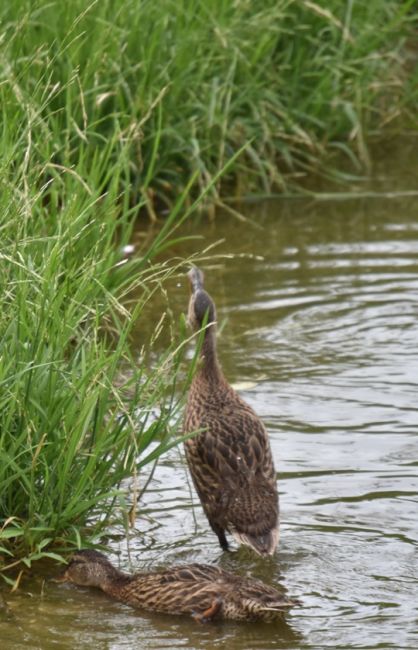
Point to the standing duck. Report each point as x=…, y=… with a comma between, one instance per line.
x=202, y=591
x=230, y=460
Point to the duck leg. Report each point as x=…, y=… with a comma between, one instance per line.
x=209, y=614
x=221, y=536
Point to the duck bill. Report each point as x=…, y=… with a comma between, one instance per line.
x=61, y=577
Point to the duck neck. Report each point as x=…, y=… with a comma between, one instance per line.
x=114, y=581
x=210, y=370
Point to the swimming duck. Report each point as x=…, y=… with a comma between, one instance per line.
x=230, y=460
x=202, y=591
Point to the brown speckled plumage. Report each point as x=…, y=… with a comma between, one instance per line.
x=205, y=592
x=230, y=461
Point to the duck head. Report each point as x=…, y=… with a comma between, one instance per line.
x=201, y=306
x=89, y=569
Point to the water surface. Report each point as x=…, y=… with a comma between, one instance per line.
x=319, y=311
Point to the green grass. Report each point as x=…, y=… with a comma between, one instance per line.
x=78, y=409
x=188, y=83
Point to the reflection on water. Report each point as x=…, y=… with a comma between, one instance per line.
x=323, y=326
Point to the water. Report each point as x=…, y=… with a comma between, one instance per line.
x=320, y=330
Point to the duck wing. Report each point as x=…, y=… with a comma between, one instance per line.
x=188, y=589
x=233, y=471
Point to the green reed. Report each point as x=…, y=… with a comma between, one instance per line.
x=81, y=411
x=191, y=82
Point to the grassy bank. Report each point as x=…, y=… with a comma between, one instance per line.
x=80, y=411
x=188, y=83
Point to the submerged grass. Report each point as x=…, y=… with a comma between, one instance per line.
x=188, y=83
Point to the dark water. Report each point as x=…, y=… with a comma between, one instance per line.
x=320, y=314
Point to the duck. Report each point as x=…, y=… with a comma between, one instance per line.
x=206, y=593
x=230, y=457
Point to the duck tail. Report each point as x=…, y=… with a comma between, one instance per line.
x=269, y=612
x=262, y=544
x=281, y=605
x=259, y=610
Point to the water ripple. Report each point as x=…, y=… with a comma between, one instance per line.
x=322, y=331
